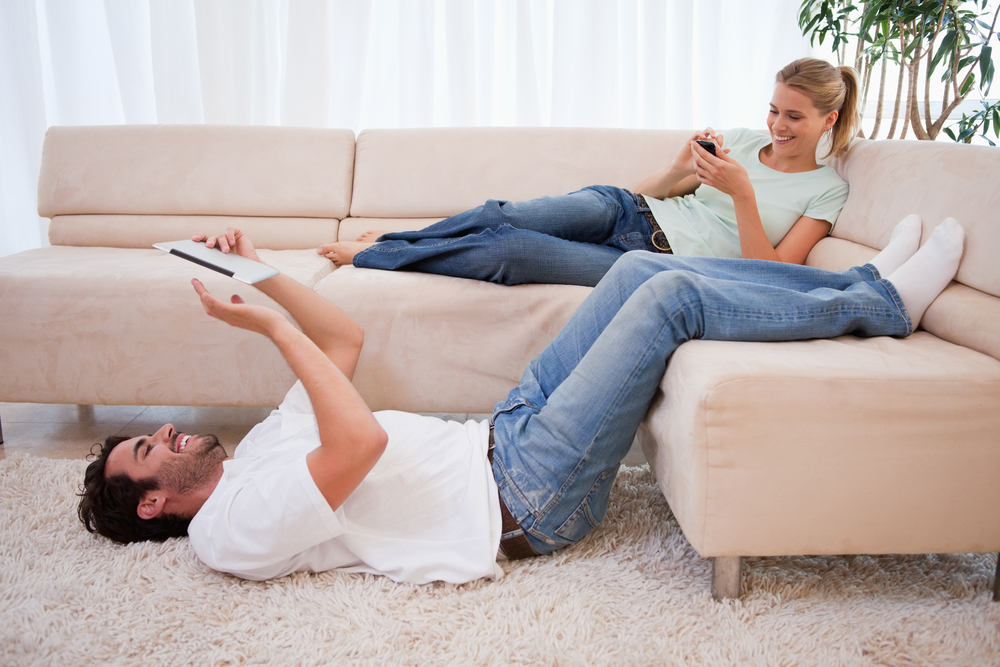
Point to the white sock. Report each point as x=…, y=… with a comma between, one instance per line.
x=921, y=278
x=903, y=243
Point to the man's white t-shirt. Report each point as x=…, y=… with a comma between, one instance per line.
x=428, y=510
x=704, y=223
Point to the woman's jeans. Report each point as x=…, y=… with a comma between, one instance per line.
x=568, y=240
x=562, y=433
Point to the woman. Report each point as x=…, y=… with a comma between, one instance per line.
x=759, y=197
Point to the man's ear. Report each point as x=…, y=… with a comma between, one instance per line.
x=151, y=505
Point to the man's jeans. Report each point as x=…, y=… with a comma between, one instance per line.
x=562, y=433
x=568, y=240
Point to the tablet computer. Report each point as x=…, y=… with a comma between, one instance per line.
x=230, y=264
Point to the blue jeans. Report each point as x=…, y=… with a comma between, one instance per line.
x=562, y=433
x=568, y=240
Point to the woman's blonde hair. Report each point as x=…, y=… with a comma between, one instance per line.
x=830, y=89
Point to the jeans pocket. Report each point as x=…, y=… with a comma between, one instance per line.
x=630, y=241
x=591, y=511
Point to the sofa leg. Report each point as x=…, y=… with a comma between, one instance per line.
x=727, y=574
x=996, y=582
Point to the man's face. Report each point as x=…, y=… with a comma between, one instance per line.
x=180, y=462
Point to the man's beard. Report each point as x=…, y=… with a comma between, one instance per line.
x=197, y=469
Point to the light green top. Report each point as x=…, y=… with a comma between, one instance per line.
x=704, y=223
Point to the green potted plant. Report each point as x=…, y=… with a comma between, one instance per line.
x=948, y=38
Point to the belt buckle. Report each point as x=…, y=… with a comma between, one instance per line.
x=666, y=245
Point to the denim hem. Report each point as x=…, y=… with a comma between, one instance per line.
x=869, y=269
x=892, y=295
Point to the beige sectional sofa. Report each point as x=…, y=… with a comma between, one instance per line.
x=762, y=449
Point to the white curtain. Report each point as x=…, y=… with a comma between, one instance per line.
x=376, y=63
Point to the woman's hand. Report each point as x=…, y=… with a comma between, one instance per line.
x=677, y=178
x=233, y=239
x=240, y=314
x=684, y=164
x=720, y=171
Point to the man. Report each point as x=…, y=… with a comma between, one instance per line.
x=325, y=484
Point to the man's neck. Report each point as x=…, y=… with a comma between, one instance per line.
x=188, y=504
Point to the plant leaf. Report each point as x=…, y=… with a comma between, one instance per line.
x=985, y=62
x=967, y=86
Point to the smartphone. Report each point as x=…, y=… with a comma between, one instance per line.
x=708, y=146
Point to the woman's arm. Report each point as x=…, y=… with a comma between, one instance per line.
x=800, y=239
x=678, y=178
x=730, y=177
x=667, y=182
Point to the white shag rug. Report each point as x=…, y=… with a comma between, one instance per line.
x=633, y=593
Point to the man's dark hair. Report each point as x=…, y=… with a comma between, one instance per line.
x=108, y=506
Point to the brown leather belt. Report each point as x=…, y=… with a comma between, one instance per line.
x=659, y=238
x=516, y=547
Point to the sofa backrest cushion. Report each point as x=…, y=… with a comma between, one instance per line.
x=190, y=170
x=433, y=173
x=935, y=180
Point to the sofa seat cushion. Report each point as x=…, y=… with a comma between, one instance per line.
x=441, y=344
x=137, y=333
x=305, y=266
x=849, y=445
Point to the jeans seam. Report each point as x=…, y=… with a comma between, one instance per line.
x=642, y=361
x=584, y=504
x=442, y=242
x=508, y=483
x=898, y=303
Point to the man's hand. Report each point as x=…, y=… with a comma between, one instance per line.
x=233, y=239
x=240, y=314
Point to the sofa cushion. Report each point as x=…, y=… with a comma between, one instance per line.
x=891, y=179
x=116, y=326
x=196, y=170
x=142, y=231
x=960, y=314
x=351, y=228
x=434, y=173
x=440, y=344
x=850, y=445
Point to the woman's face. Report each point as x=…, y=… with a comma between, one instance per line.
x=796, y=126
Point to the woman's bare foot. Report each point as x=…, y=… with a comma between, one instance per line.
x=342, y=253
x=371, y=235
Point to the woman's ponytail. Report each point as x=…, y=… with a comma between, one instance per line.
x=849, y=119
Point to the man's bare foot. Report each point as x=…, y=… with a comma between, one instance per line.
x=342, y=254
x=371, y=235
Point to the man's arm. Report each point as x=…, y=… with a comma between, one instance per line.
x=330, y=328
x=351, y=439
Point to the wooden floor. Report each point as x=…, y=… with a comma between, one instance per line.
x=69, y=431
